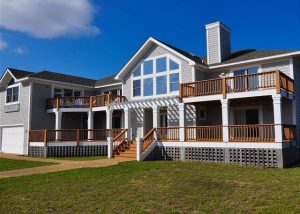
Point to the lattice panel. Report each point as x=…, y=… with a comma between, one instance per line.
x=204, y=154
x=36, y=151
x=256, y=157
x=76, y=151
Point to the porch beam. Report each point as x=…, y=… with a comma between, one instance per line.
x=181, y=108
x=90, y=124
x=109, y=115
x=58, y=116
x=156, y=116
x=277, y=110
x=225, y=119
x=127, y=122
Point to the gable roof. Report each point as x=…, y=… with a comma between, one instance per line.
x=19, y=74
x=252, y=54
x=190, y=58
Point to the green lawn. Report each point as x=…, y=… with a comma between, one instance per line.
x=10, y=164
x=155, y=187
x=81, y=158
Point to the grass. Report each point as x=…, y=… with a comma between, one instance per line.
x=10, y=164
x=155, y=187
x=81, y=158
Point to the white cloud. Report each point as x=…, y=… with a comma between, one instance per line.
x=19, y=50
x=49, y=18
x=3, y=44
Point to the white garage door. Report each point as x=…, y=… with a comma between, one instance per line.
x=13, y=140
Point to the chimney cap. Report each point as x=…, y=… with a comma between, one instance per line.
x=217, y=24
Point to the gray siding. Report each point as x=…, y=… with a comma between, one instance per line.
x=40, y=119
x=20, y=116
x=200, y=75
x=283, y=66
x=213, y=45
x=296, y=69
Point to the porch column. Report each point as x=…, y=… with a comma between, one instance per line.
x=225, y=119
x=90, y=124
x=109, y=114
x=277, y=118
x=156, y=116
x=58, y=116
x=127, y=122
x=181, y=108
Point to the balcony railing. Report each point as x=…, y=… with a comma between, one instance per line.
x=72, y=135
x=251, y=82
x=204, y=133
x=251, y=133
x=84, y=102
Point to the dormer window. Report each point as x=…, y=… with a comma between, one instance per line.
x=12, y=92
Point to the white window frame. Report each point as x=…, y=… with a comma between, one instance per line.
x=63, y=91
x=13, y=86
x=258, y=107
x=154, y=75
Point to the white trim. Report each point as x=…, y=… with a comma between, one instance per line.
x=292, y=75
x=12, y=125
x=19, y=92
x=255, y=60
x=108, y=85
x=149, y=42
x=8, y=71
x=29, y=115
x=216, y=24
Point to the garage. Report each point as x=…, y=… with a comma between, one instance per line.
x=12, y=140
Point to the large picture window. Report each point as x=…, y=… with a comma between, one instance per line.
x=156, y=76
x=12, y=94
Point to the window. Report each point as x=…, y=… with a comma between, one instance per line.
x=137, y=72
x=248, y=83
x=77, y=93
x=173, y=65
x=68, y=93
x=12, y=94
x=161, y=85
x=148, y=87
x=174, y=82
x=136, y=88
x=148, y=67
x=161, y=64
x=246, y=117
x=57, y=92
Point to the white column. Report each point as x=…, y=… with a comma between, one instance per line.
x=110, y=148
x=181, y=108
x=58, y=116
x=277, y=118
x=127, y=122
x=225, y=119
x=139, y=144
x=90, y=124
x=109, y=114
x=156, y=116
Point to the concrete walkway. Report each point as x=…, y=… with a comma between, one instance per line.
x=62, y=165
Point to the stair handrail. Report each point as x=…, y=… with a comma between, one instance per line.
x=148, y=139
x=117, y=138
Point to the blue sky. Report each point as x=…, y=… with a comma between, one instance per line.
x=96, y=38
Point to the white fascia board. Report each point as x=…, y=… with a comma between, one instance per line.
x=8, y=71
x=57, y=82
x=108, y=85
x=140, y=51
x=256, y=60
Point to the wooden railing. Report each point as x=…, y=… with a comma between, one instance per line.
x=148, y=139
x=84, y=102
x=168, y=133
x=204, y=133
x=251, y=133
x=119, y=141
x=289, y=132
x=72, y=135
x=243, y=83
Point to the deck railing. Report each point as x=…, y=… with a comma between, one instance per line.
x=72, y=135
x=289, y=132
x=251, y=133
x=120, y=140
x=168, y=133
x=204, y=133
x=84, y=102
x=250, y=82
x=148, y=139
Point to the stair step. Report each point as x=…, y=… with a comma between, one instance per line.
x=126, y=156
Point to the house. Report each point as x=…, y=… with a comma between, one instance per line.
x=230, y=106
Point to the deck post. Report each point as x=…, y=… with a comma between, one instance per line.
x=156, y=116
x=58, y=116
x=277, y=79
x=109, y=114
x=223, y=87
x=90, y=125
x=139, y=145
x=127, y=122
x=225, y=119
x=181, y=107
x=277, y=110
x=110, y=148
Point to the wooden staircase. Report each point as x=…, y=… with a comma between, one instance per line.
x=127, y=150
